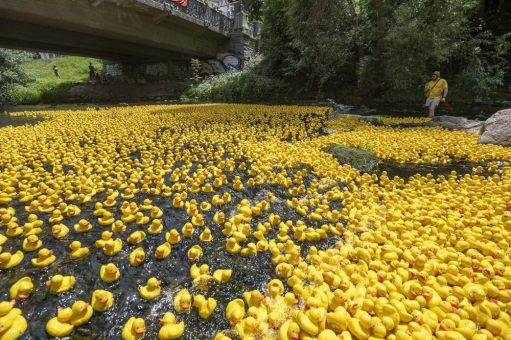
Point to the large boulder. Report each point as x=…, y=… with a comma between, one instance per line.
x=361, y=159
x=456, y=123
x=497, y=129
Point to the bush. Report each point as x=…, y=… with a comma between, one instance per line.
x=247, y=85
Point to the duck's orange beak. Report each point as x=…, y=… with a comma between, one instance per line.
x=48, y=283
x=23, y=295
x=140, y=331
x=104, y=300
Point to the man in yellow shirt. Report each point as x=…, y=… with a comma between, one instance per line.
x=435, y=90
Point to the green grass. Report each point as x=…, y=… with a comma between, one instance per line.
x=45, y=87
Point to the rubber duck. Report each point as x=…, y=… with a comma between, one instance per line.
x=182, y=301
x=136, y=237
x=198, y=220
x=177, y=202
x=187, y=230
x=156, y=213
x=59, y=231
x=98, y=209
x=21, y=289
x=77, y=251
x=110, y=201
x=204, y=307
x=170, y=329
x=156, y=227
x=194, y=253
x=146, y=204
x=222, y=275
x=118, y=226
x=29, y=228
x=82, y=312
x=60, y=326
x=109, y=273
x=44, y=258
x=32, y=243
x=162, y=251
x=232, y=246
x=82, y=226
x=172, y=237
x=56, y=216
x=219, y=218
x=13, y=230
x=59, y=283
x=151, y=290
x=102, y=300
x=235, y=311
x=106, y=219
x=206, y=236
x=105, y=236
x=137, y=257
x=112, y=247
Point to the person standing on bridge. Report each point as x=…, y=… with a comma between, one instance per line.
x=92, y=71
x=56, y=71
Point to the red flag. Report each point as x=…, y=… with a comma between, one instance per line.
x=183, y=3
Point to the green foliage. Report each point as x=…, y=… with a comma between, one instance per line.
x=384, y=47
x=247, y=85
x=11, y=74
x=45, y=87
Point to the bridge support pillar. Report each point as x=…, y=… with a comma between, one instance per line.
x=242, y=42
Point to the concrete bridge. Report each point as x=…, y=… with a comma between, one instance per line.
x=134, y=31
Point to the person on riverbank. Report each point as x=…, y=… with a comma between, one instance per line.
x=92, y=71
x=435, y=90
x=56, y=71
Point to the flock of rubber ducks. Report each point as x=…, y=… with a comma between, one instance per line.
x=422, y=258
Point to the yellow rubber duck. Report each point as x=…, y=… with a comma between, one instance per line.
x=137, y=257
x=106, y=219
x=219, y=218
x=204, y=307
x=173, y=237
x=59, y=283
x=59, y=231
x=162, y=251
x=183, y=301
x=32, y=243
x=44, y=258
x=105, y=236
x=31, y=228
x=194, y=253
x=235, y=311
x=232, y=246
x=56, y=216
x=198, y=220
x=77, y=251
x=118, y=226
x=151, y=290
x=222, y=275
x=13, y=230
x=82, y=312
x=156, y=213
x=112, y=247
x=156, y=227
x=60, y=326
x=21, y=289
x=136, y=237
x=170, y=329
x=187, y=230
x=146, y=204
x=82, y=226
x=98, y=209
x=102, y=300
x=109, y=273
x=206, y=236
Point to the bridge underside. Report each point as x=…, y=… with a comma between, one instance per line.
x=124, y=30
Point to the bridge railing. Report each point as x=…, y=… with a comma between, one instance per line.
x=203, y=13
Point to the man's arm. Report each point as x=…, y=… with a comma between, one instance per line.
x=444, y=94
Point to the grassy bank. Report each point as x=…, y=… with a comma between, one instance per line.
x=47, y=88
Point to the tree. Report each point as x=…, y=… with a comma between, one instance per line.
x=11, y=73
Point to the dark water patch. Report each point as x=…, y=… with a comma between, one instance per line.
x=407, y=170
x=12, y=120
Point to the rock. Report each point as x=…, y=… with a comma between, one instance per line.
x=360, y=159
x=456, y=123
x=339, y=108
x=497, y=129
